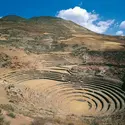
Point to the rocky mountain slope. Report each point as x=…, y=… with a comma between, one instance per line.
x=40, y=34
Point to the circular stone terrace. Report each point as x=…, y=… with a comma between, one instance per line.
x=66, y=94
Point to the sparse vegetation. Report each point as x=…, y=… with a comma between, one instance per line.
x=52, y=121
x=94, y=123
x=70, y=124
x=3, y=120
x=11, y=114
x=38, y=121
x=5, y=60
x=7, y=107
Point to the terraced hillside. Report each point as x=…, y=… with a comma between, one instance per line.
x=52, y=68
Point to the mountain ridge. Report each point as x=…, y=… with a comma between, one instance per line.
x=53, y=32
x=37, y=19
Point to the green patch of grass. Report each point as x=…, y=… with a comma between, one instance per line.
x=12, y=115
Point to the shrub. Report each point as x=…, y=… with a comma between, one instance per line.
x=38, y=121
x=2, y=119
x=70, y=124
x=6, y=122
x=12, y=115
x=7, y=107
x=94, y=123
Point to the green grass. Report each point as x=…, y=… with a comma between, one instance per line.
x=12, y=115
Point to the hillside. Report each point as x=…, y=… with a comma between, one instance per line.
x=53, y=34
x=55, y=70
